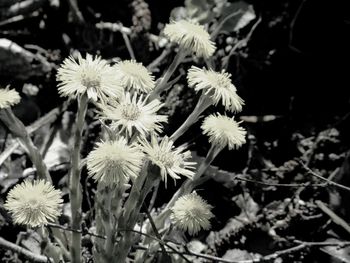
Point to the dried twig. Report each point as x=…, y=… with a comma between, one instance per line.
x=20, y=250
x=330, y=182
x=335, y=218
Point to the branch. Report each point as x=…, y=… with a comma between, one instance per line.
x=20, y=250
x=115, y=27
x=330, y=182
x=279, y=185
x=335, y=218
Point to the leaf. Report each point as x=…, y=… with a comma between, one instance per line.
x=235, y=16
x=198, y=10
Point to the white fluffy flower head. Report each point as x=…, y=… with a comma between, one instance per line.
x=88, y=75
x=8, y=98
x=191, y=36
x=34, y=203
x=133, y=75
x=191, y=213
x=133, y=113
x=224, y=131
x=172, y=161
x=114, y=162
x=216, y=85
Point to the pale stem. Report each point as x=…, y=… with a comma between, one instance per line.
x=181, y=54
x=75, y=189
x=137, y=199
x=203, y=103
x=18, y=129
x=114, y=209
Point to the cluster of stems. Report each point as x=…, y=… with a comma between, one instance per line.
x=115, y=214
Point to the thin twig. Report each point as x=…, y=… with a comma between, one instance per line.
x=324, y=179
x=128, y=45
x=276, y=184
x=292, y=24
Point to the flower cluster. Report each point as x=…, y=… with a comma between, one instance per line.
x=129, y=103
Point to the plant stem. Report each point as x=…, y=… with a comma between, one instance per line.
x=137, y=199
x=74, y=180
x=203, y=103
x=187, y=186
x=181, y=54
x=18, y=129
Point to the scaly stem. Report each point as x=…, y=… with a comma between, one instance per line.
x=137, y=199
x=203, y=103
x=162, y=85
x=18, y=129
x=74, y=180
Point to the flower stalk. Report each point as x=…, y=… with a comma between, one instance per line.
x=203, y=103
x=75, y=189
x=18, y=129
x=162, y=84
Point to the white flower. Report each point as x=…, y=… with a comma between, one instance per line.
x=90, y=75
x=133, y=75
x=133, y=112
x=190, y=36
x=216, y=85
x=114, y=162
x=34, y=203
x=191, y=213
x=224, y=131
x=171, y=161
x=8, y=98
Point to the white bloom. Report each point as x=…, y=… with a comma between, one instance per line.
x=8, y=98
x=133, y=75
x=114, y=162
x=133, y=112
x=90, y=75
x=34, y=203
x=191, y=213
x=224, y=131
x=216, y=85
x=190, y=36
x=171, y=161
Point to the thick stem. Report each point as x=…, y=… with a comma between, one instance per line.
x=114, y=209
x=128, y=237
x=18, y=129
x=203, y=103
x=181, y=54
x=74, y=183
